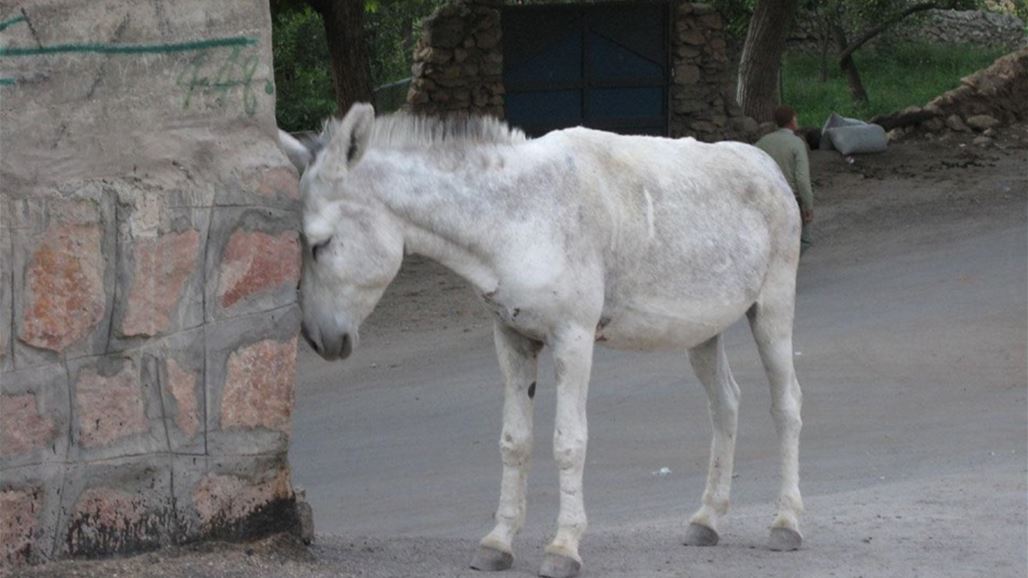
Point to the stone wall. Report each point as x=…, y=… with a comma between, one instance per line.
x=974, y=27
x=988, y=99
x=148, y=265
x=703, y=82
x=458, y=61
x=458, y=67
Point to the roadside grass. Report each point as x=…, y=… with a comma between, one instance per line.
x=895, y=77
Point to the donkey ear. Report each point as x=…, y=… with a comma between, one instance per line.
x=298, y=153
x=351, y=140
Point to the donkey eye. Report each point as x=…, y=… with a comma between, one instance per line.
x=318, y=247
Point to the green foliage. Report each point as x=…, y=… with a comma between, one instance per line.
x=736, y=14
x=902, y=76
x=392, y=28
x=303, y=80
x=303, y=75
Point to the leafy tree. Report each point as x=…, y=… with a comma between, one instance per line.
x=317, y=78
x=393, y=27
x=736, y=14
x=302, y=77
x=851, y=25
x=348, y=49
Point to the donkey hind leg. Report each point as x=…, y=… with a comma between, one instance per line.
x=711, y=366
x=572, y=356
x=771, y=320
x=518, y=358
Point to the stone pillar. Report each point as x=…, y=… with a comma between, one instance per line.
x=458, y=61
x=149, y=258
x=703, y=79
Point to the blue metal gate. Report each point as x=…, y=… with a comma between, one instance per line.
x=602, y=66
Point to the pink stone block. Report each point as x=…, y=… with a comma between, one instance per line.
x=22, y=428
x=162, y=267
x=106, y=520
x=255, y=262
x=258, y=388
x=279, y=180
x=109, y=408
x=107, y=508
x=226, y=498
x=64, y=287
x=19, y=521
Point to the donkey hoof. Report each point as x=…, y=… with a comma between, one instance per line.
x=557, y=566
x=784, y=539
x=491, y=560
x=700, y=535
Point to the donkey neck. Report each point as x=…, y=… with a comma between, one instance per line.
x=450, y=205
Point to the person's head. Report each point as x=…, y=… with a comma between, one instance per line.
x=785, y=117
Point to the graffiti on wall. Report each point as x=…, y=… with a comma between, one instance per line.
x=220, y=72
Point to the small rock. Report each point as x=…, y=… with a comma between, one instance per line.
x=989, y=132
x=982, y=141
x=982, y=122
x=955, y=123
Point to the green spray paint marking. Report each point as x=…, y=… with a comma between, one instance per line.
x=233, y=72
x=3, y=26
x=163, y=48
x=12, y=21
x=212, y=80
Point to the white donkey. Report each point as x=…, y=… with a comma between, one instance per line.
x=574, y=238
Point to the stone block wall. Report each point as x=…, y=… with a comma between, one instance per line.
x=703, y=79
x=969, y=27
x=986, y=100
x=149, y=257
x=458, y=61
x=974, y=27
x=458, y=67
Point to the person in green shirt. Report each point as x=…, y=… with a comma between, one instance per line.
x=790, y=152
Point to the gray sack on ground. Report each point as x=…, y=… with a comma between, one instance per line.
x=852, y=136
x=835, y=121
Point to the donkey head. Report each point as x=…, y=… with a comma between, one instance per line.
x=352, y=247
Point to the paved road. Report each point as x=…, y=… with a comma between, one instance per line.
x=911, y=350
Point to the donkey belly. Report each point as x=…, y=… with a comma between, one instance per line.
x=653, y=326
x=688, y=289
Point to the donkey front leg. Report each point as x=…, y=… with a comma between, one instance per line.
x=572, y=356
x=518, y=358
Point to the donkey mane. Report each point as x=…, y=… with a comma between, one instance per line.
x=404, y=130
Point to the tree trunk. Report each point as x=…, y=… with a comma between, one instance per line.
x=348, y=49
x=762, y=57
x=846, y=63
x=822, y=68
x=824, y=44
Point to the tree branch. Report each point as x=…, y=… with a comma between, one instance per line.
x=875, y=31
